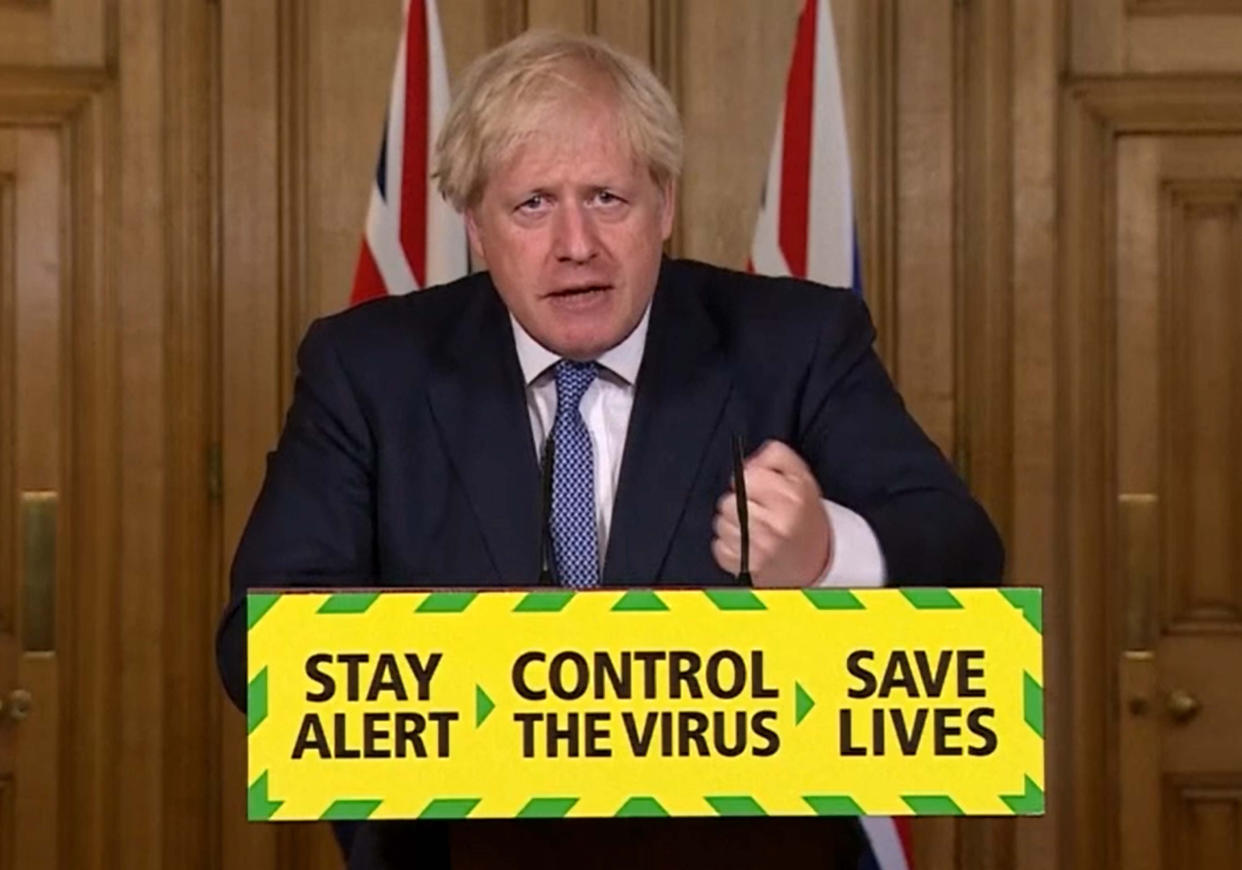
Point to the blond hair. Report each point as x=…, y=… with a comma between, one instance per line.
x=506, y=95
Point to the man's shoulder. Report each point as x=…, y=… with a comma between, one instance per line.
x=394, y=336
x=750, y=308
x=407, y=318
x=723, y=290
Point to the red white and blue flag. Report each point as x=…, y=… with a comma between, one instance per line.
x=806, y=229
x=414, y=239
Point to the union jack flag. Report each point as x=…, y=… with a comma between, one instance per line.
x=414, y=239
x=805, y=228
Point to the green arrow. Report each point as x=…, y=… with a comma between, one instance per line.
x=1033, y=703
x=734, y=599
x=258, y=604
x=1028, y=601
x=735, y=805
x=543, y=602
x=932, y=805
x=547, y=807
x=449, y=808
x=802, y=703
x=349, y=602
x=258, y=807
x=639, y=599
x=483, y=706
x=834, y=805
x=350, y=809
x=256, y=701
x=1031, y=803
x=641, y=807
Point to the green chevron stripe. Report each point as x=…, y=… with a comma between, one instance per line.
x=833, y=599
x=803, y=703
x=543, y=602
x=734, y=599
x=349, y=602
x=483, y=706
x=1029, y=602
x=257, y=604
x=640, y=599
x=932, y=805
x=641, y=808
x=833, y=805
x=350, y=810
x=258, y=807
x=449, y=808
x=1030, y=803
x=1033, y=703
x=446, y=602
x=256, y=701
x=547, y=807
x=931, y=598
x=735, y=805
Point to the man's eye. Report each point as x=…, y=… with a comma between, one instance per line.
x=607, y=197
x=534, y=203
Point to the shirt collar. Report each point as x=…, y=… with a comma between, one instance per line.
x=622, y=360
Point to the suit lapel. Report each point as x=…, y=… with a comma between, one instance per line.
x=479, y=405
x=681, y=391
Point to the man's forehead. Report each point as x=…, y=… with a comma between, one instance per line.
x=568, y=147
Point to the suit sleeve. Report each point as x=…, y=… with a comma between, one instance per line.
x=870, y=455
x=312, y=524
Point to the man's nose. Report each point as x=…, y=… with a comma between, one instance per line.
x=576, y=240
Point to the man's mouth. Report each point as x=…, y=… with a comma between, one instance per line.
x=581, y=290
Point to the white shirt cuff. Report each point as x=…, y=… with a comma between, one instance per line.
x=856, y=558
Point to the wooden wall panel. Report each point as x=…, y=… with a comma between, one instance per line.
x=142, y=209
x=575, y=16
x=252, y=368
x=55, y=33
x=1111, y=37
x=343, y=72
x=731, y=65
x=627, y=24
x=923, y=362
x=190, y=787
x=1037, y=50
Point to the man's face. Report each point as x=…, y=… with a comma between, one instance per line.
x=571, y=228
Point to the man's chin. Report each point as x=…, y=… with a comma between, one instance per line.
x=583, y=347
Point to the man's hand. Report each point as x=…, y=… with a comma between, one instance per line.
x=790, y=537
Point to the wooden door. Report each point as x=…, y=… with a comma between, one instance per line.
x=31, y=679
x=1179, y=498
x=105, y=523
x=1150, y=321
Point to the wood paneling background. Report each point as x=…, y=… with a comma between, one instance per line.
x=1049, y=217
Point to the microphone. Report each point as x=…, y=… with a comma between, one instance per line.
x=743, y=518
x=547, y=555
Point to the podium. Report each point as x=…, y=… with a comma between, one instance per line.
x=672, y=727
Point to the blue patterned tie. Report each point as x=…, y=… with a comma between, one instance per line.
x=573, y=480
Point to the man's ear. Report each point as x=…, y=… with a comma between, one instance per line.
x=475, y=234
x=669, y=209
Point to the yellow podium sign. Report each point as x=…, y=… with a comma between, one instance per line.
x=732, y=701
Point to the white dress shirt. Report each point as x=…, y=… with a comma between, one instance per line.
x=606, y=405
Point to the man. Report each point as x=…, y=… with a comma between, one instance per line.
x=411, y=453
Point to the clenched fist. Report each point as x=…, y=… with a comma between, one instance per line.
x=790, y=537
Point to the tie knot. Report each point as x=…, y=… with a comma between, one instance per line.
x=572, y=380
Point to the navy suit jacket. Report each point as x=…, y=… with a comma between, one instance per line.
x=407, y=457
